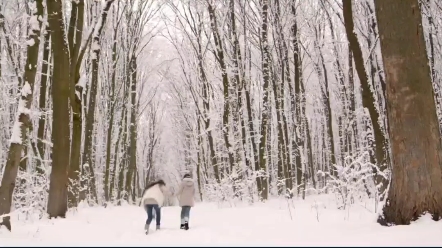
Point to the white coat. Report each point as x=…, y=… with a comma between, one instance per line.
x=154, y=195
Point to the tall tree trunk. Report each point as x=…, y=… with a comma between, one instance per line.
x=57, y=202
x=220, y=58
x=368, y=98
x=416, y=183
x=111, y=119
x=206, y=107
x=45, y=71
x=122, y=123
x=199, y=162
x=23, y=121
x=246, y=87
x=338, y=72
x=2, y=25
x=75, y=34
x=281, y=159
x=240, y=81
x=426, y=9
x=282, y=54
x=297, y=98
x=90, y=119
x=123, y=160
x=265, y=54
x=310, y=164
x=350, y=107
x=132, y=128
x=325, y=91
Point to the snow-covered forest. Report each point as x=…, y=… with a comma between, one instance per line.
x=256, y=99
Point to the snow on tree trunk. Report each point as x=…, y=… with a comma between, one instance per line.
x=23, y=121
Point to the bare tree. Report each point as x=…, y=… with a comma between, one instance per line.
x=22, y=122
x=90, y=118
x=262, y=181
x=368, y=98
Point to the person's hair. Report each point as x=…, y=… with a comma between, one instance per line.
x=160, y=182
x=187, y=175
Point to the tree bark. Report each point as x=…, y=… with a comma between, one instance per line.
x=240, y=81
x=57, y=202
x=23, y=121
x=90, y=120
x=123, y=160
x=368, y=98
x=279, y=92
x=132, y=128
x=121, y=124
x=75, y=34
x=416, y=183
x=265, y=60
x=111, y=119
x=219, y=54
x=297, y=96
x=322, y=72
x=45, y=71
x=206, y=111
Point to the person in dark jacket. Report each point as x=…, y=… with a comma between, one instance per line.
x=153, y=199
x=185, y=196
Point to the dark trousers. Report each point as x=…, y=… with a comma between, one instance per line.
x=185, y=212
x=149, y=209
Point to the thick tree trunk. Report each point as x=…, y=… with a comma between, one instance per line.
x=57, y=203
x=8, y=182
x=416, y=183
x=20, y=129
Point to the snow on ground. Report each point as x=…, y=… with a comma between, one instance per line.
x=314, y=222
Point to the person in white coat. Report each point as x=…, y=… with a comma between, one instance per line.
x=185, y=196
x=152, y=200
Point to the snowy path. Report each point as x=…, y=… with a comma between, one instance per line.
x=260, y=225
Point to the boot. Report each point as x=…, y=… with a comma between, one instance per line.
x=158, y=227
x=146, y=228
x=186, y=225
x=182, y=226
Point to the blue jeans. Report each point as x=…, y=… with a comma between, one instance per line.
x=149, y=209
x=185, y=212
